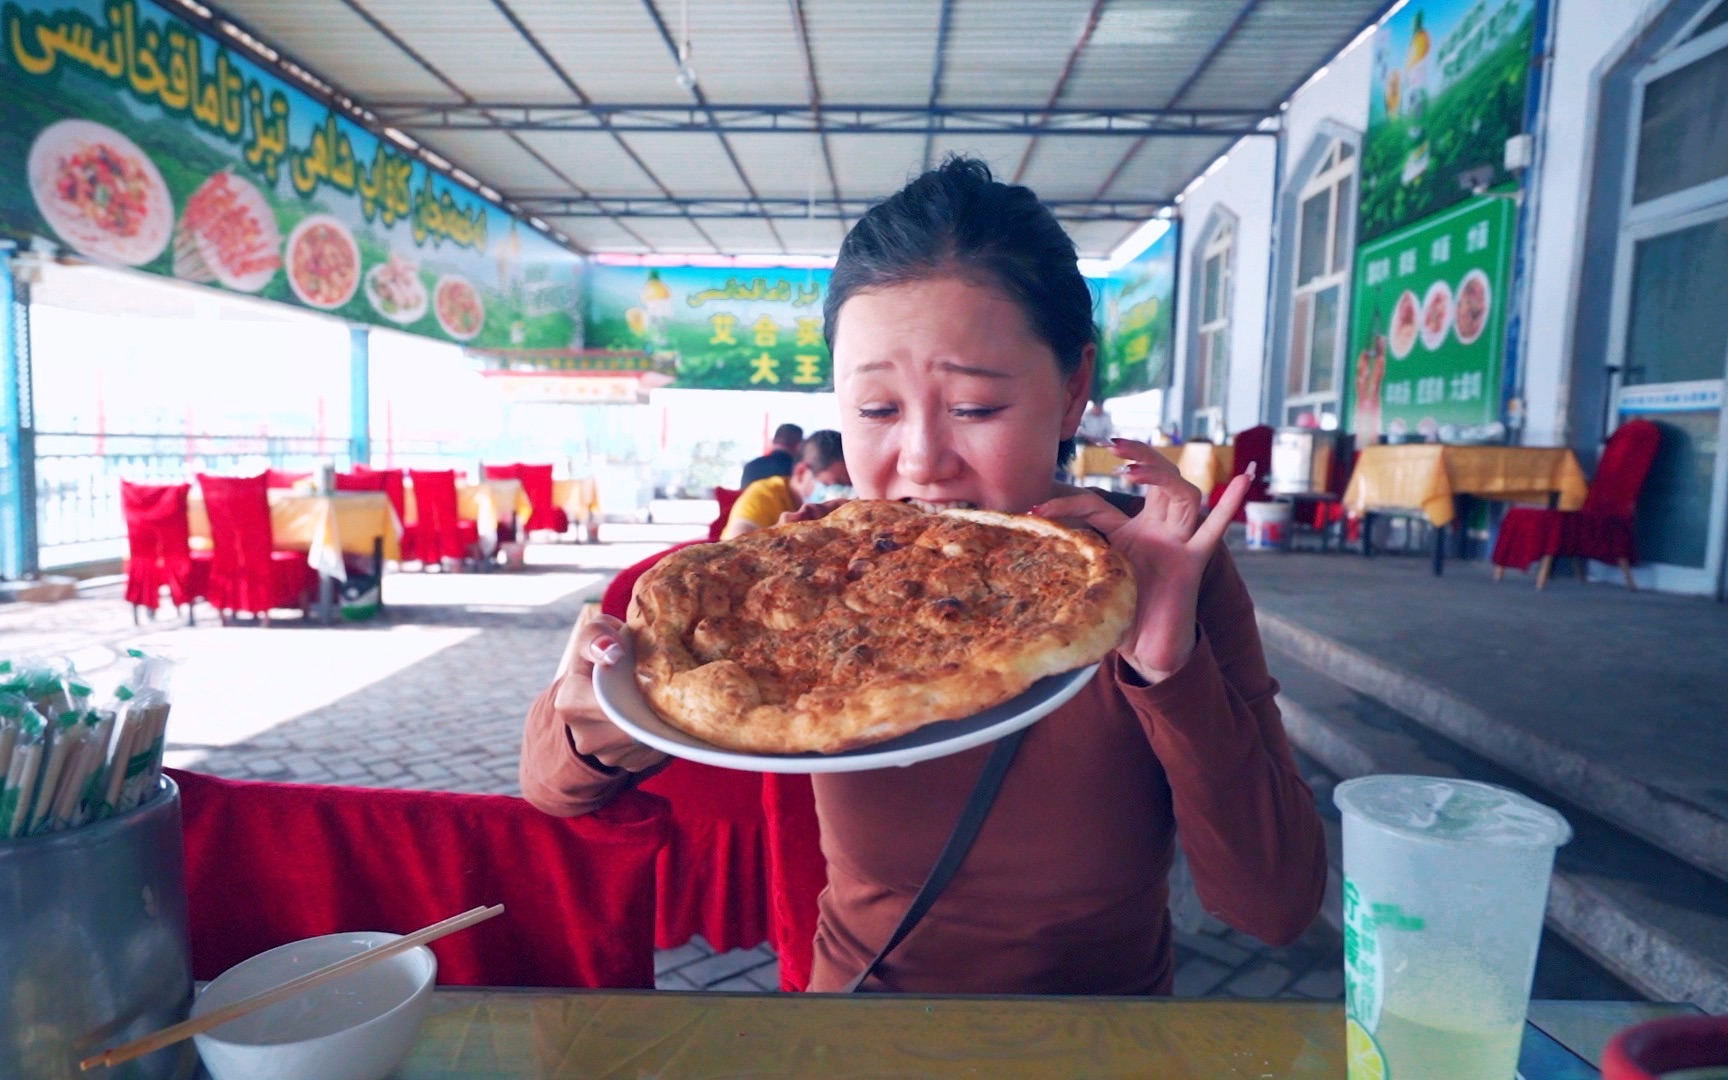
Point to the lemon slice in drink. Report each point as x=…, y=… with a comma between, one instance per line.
x=1363, y=1053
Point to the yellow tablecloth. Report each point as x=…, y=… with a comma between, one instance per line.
x=579, y=498
x=324, y=526
x=1425, y=477
x=507, y=1035
x=1205, y=465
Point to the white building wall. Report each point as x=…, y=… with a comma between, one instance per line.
x=1588, y=36
x=1243, y=187
x=1339, y=96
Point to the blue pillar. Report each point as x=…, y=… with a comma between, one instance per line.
x=360, y=396
x=18, y=555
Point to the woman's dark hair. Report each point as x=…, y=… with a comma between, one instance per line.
x=959, y=218
x=821, y=450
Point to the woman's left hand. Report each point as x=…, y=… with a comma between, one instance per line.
x=1167, y=543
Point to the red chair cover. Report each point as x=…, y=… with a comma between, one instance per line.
x=1252, y=446
x=797, y=874
x=440, y=533
x=1604, y=528
x=246, y=572
x=537, y=485
x=725, y=497
x=270, y=863
x=282, y=478
x=393, y=490
x=156, y=540
x=360, y=481
x=713, y=877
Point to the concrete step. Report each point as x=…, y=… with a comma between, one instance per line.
x=1651, y=918
x=1693, y=832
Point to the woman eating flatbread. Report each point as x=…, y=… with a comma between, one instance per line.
x=963, y=343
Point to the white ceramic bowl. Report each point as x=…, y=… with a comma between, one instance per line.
x=358, y=1027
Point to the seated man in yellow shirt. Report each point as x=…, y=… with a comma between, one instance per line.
x=761, y=504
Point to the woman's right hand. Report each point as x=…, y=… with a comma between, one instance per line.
x=599, y=641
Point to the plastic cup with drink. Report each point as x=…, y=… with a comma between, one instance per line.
x=1445, y=884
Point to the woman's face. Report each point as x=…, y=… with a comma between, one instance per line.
x=948, y=398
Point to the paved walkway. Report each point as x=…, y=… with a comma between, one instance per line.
x=431, y=696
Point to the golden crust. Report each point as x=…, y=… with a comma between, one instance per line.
x=869, y=623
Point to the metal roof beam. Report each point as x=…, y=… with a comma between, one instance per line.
x=830, y=119
x=1075, y=210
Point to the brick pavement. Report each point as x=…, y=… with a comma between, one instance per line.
x=431, y=696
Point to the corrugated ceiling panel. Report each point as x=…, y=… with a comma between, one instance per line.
x=1163, y=167
x=1009, y=52
x=695, y=166
x=610, y=47
x=783, y=166
x=875, y=166
x=493, y=157
x=472, y=44
x=338, y=45
x=1140, y=54
x=818, y=237
x=593, y=160
x=1073, y=167
x=1002, y=152
x=881, y=53
x=742, y=236
x=744, y=51
x=1279, y=45
x=598, y=234
x=670, y=233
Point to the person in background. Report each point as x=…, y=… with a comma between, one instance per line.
x=779, y=458
x=1095, y=426
x=820, y=466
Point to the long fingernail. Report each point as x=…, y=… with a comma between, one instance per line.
x=1253, y=469
x=606, y=652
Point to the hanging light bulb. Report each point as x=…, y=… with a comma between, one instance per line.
x=686, y=76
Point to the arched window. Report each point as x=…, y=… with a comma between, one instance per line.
x=1209, y=368
x=1313, y=373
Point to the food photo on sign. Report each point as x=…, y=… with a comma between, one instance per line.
x=180, y=157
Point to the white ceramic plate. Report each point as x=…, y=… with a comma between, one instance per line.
x=622, y=701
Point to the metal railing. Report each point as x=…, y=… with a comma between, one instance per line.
x=78, y=475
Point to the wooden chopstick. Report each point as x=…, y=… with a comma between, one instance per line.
x=168, y=1036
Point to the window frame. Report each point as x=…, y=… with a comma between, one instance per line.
x=1338, y=166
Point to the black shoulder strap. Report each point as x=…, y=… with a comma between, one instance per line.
x=954, y=853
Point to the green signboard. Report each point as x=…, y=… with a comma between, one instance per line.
x=702, y=327
x=1427, y=326
x=1137, y=306
x=1449, y=88
x=135, y=139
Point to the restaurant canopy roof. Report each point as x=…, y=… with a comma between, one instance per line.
x=803, y=111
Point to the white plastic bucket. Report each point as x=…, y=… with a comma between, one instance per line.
x=1268, y=526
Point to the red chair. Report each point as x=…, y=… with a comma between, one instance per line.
x=270, y=863
x=725, y=497
x=1252, y=446
x=1602, y=530
x=545, y=514
x=247, y=573
x=158, y=550
x=281, y=478
x=440, y=532
x=393, y=489
x=713, y=876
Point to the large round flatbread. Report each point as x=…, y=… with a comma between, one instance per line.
x=872, y=622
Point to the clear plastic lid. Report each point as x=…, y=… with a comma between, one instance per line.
x=1459, y=811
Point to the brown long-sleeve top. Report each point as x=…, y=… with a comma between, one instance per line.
x=1065, y=889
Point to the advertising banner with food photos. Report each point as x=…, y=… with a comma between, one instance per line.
x=1449, y=87
x=1136, y=305
x=713, y=328
x=133, y=138
x=1427, y=334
